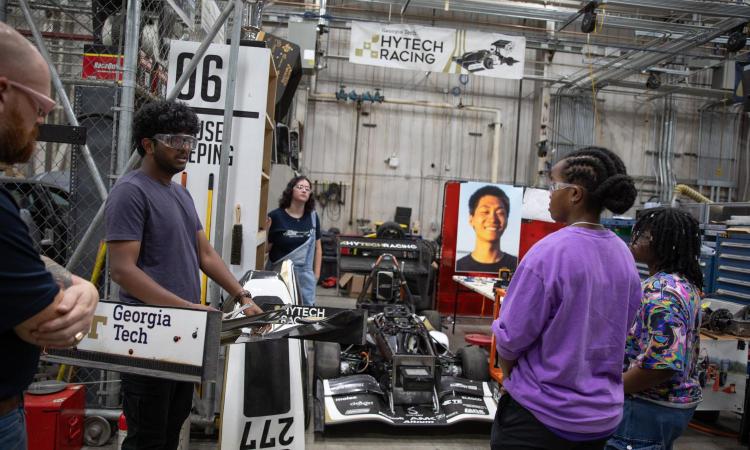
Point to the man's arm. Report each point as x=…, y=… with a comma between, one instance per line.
x=318, y=259
x=213, y=266
x=69, y=313
x=60, y=274
x=123, y=256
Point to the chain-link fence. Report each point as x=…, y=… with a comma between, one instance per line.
x=95, y=47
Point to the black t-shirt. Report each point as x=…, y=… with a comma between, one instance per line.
x=469, y=264
x=288, y=233
x=26, y=288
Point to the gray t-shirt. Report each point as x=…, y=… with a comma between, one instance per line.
x=164, y=220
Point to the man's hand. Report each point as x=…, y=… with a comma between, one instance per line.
x=252, y=310
x=75, y=313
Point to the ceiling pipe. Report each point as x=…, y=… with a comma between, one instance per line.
x=544, y=13
x=704, y=8
x=671, y=48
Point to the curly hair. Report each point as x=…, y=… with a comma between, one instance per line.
x=675, y=241
x=286, y=196
x=489, y=190
x=163, y=117
x=603, y=175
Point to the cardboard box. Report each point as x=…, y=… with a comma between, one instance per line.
x=351, y=284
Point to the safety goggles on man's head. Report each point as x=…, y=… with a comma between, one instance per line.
x=177, y=141
x=44, y=104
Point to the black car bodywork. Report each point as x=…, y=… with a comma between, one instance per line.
x=476, y=61
x=402, y=376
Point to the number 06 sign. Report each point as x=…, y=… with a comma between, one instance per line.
x=205, y=93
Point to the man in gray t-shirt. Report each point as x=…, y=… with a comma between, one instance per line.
x=157, y=248
x=163, y=219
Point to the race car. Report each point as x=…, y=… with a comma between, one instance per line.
x=264, y=392
x=404, y=375
x=487, y=59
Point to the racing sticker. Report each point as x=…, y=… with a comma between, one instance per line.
x=455, y=385
x=454, y=405
x=358, y=404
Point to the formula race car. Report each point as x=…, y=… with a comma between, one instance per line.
x=404, y=375
x=487, y=59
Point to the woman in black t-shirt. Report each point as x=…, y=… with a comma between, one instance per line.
x=294, y=233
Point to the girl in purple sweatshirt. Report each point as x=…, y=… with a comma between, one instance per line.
x=562, y=327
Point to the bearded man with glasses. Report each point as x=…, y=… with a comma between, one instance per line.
x=156, y=248
x=42, y=306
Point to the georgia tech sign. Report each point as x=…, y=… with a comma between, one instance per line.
x=169, y=334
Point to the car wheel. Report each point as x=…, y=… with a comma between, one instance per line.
x=474, y=362
x=390, y=230
x=488, y=63
x=432, y=316
x=327, y=362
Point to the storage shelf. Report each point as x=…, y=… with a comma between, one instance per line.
x=733, y=264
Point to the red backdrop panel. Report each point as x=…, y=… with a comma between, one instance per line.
x=470, y=304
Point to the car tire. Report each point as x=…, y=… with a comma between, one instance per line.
x=488, y=63
x=432, y=316
x=474, y=363
x=390, y=230
x=327, y=363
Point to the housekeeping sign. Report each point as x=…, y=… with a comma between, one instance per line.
x=414, y=47
x=205, y=93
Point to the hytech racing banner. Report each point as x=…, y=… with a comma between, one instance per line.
x=443, y=50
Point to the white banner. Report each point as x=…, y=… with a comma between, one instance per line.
x=443, y=50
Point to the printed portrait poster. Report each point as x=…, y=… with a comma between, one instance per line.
x=489, y=227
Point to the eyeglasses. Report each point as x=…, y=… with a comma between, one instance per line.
x=557, y=185
x=641, y=236
x=303, y=188
x=177, y=141
x=43, y=103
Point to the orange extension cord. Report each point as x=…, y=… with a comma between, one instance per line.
x=713, y=431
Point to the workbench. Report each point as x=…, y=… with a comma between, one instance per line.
x=485, y=287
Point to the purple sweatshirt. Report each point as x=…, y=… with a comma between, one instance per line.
x=565, y=319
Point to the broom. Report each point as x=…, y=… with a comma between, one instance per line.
x=236, y=252
x=209, y=211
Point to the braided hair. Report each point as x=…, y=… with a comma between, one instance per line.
x=675, y=241
x=603, y=175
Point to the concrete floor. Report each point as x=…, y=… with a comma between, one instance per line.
x=472, y=436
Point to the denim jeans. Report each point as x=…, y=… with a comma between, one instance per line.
x=648, y=426
x=13, y=430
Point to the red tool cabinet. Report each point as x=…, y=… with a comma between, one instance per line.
x=55, y=421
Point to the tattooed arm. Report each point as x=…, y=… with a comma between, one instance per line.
x=60, y=274
x=70, y=312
